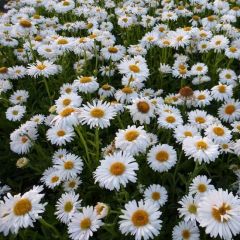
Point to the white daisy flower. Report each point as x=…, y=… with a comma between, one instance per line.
x=84, y=224
x=106, y=90
x=170, y=120
x=97, y=114
x=219, y=214
x=60, y=135
x=69, y=167
x=126, y=94
x=218, y=133
x=66, y=206
x=115, y=53
x=116, y=170
x=200, y=149
x=189, y=208
x=51, y=178
x=21, y=211
x=86, y=84
x=71, y=184
x=200, y=185
x=183, y=131
x=133, y=140
x=200, y=119
x=157, y=194
x=141, y=110
x=15, y=113
x=68, y=100
x=44, y=68
x=230, y=111
x=135, y=67
x=222, y=92
x=186, y=231
x=67, y=116
x=162, y=157
x=141, y=219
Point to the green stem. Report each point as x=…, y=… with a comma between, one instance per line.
x=31, y=48
x=97, y=142
x=47, y=89
x=48, y=225
x=83, y=142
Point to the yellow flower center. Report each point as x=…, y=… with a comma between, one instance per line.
x=201, y=97
x=25, y=23
x=230, y=109
x=68, y=206
x=218, y=42
x=143, y=107
x=225, y=146
x=127, y=90
x=150, y=38
x=68, y=165
x=192, y=208
x=66, y=101
x=131, y=135
x=156, y=196
x=140, y=218
x=22, y=207
x=199, y=68
x=200, y=120
x=211, y=18
x=195, y=17
x=112, y=49
x=24, y=139
x=170, y=119
x=218, y=131
x=38, y=38
x=15, y=112
x=92, y=36
x=218, y=213
x=19, y=98
x=186, y=234
x=166, y=43
x=202, y=188
x=41, y=66
x=62, y=41
x=162, y=156
x=65, y=3
x=97, y=112
x=179, y=39
x=106, y=87
x=161, y=29
x=117, y=168
x=61, y=133
x=72, y=184
x=85, y=223
x=222, y=88
x=67, y=111
x=82, y=40
x=3, y=69
x=54, y=179
x=134, y=68
x=201, y=145
x=232, y=49
x=89, y=25
x=85, y=79
x=228, y=76
x=187, y=134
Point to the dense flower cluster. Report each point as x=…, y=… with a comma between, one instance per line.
x=121, y=119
